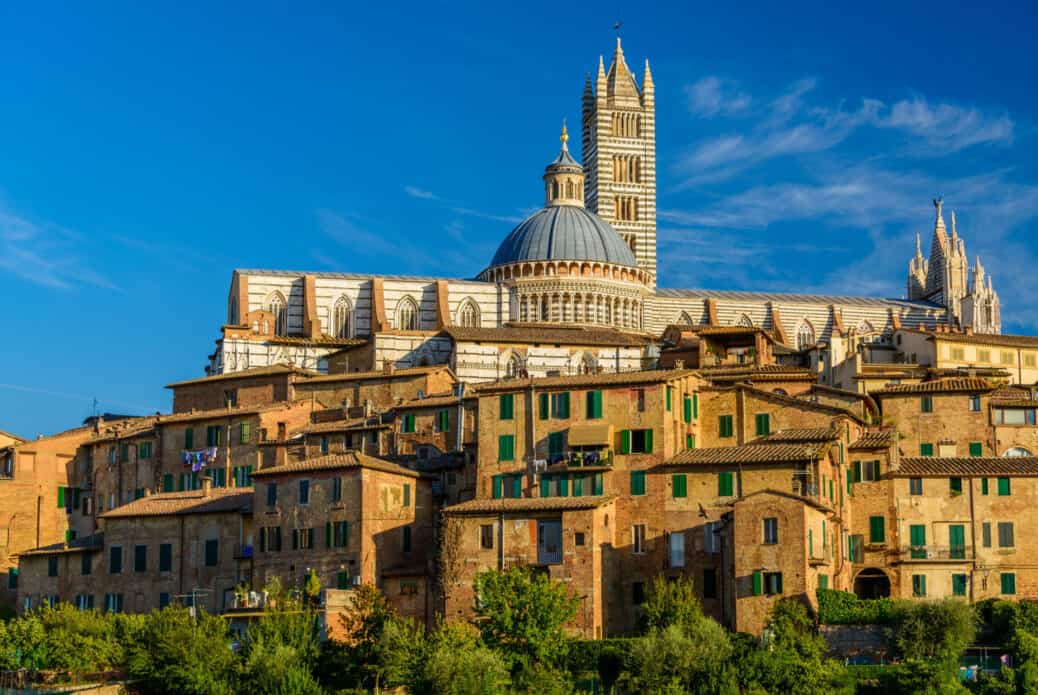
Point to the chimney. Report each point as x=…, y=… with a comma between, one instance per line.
x=207, y=486
x=387, y=366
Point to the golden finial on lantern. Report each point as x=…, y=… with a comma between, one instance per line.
x=565, y=135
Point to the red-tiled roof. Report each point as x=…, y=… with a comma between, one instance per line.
x=271, y=370
x=749, y=453
x=949, y=385
x=799, y=434
x=873, y=440
x=375, y=374
x=218, y=500
x=579, y=380
x=1005, y=466
x=1024, y=341
x=79, y=545
x=527, y=504
x=349, y=459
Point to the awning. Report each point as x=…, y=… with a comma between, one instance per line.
x=591, y=434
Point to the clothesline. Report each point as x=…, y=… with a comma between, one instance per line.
x=198, y=459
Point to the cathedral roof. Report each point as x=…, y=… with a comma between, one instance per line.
x=564, y=232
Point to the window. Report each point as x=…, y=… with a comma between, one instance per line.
x=510, y=486
x=679, y=485
x=1008, y=583
x=272, y=494
x=279, y=309
x=407, y=495
x=336, y=489
x=593, y=405
x=578, y=538
x=407, y=315
x=405, y=541
x=983, y=486
x=140, y=558
x=304, y=492
x=687, y=409
x=1030, y=360
x=772, y=583
x=709, y=583
x=144, y=450
x=163, y=599
x=690, y=441
x=877, y=532
x=1004, y=488
x=115, y=560
x=724, y=426
x=302, y=539
x=86, y=564
x=955, y=486
x=725, y=484
x=1007, y=357
x=983, y=355
x=771, y=531
x=1014, y=416
x=985, y=534
x=926, y=404
x=507, y=406
x=189, y=438
x=407, y=424
x=974, y=404
x=341, y=318
x=976, y=449
x=556, y=444
x=469, y=315
x=637, y=483
x=926, y=449
x=763, y=424
x=52, y=566
x=919, y=585
x=669, y=391
x=12, y=578
x=212, y=552
x=506, y=447
x=638, y=539
x=114, y=603
x=676, y=547
x=639, y=399
x=636, y=441
x=917, y=540
x=638, y=593
x=124, y=452
x=486, y=536
x=867, y=471
x=213, y=435
x=1005, y=534
x=915, y=486
x=324, y=444
x=805, y=336
x=443, y=420
x=166, y=557
x=958, y=585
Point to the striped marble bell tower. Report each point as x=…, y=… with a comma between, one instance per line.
x=619, y=152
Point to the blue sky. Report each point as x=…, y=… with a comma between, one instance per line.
x=146, y=152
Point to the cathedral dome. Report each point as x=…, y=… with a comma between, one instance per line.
x=564, y=232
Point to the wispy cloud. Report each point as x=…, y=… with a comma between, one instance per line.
x=469, y=212
x=416, y=192
x=946, y=126
x=45, y=254
x=714, y=96
x=459, y=208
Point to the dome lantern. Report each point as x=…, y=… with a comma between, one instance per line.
x=564, y=177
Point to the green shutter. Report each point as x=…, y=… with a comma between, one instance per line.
x=625, y=441
x=543, y=400
x=564, y=405
x=926, y=449
x=917, y=539
x=563, y=486
x=167, y=482
x=594, y=405
x=517, y=485
x=596, y=484
x=637, y=483
x=61, y=497
x=688, y=409
x=957, y=541
x=556, y=443
x=983, y=486
x=189, y=438
x=1008, y=583
x=342, y=580
x=407, y=495
x=506, y=447
x=244, y=432
x=497, y=487
x=955, y=486
x=725, y=426
x=690, y=441
x=545, y=486
x=578, y=486
x=648, y=441
x=725, y=487
x=823, y=581
x=670, y=392
x=680, y=485
x=1003, y=487
x=857, y=471
x=976, y=449
x=763, y=424
x=877, y=532
x=958, y=585
x=695, y=405
x=507, y=406
x=758, y=584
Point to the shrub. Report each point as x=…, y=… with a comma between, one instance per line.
x=176, y=655
x=844, y=608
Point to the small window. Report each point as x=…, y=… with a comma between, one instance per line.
x=985, y=534
x=507, y=406
x=1006, y=537
x=506, y=447
x=877, y=532
x=709, y=583
x=725, y=426
x=165, y=557
x=486, y=536
x=52, y=566
x=407, y=495
x=926, y=404
x=578, y=538
x=771, y=531
x=679, y=485
x=638, y=539
x=115, y=560
x=594, y=405
x=725, y=484
x=926, y=449
x=976, y=449
x=272, y=494
x=405, y=541
x=336, y=489
x=1004, y=488
x=638, y=593
x=974, y=403
x=915, y=486
x=212, y=552
x=676, y=549
x=639, y=399
x=919, y=585
x=324, y=444
x=86, y=563
x=772, y=583
x=958, y=585
x=1008, y=583
x=637, y=483
x=304, y=492
x=140, y=558
x=762, y=422
x=955, y=486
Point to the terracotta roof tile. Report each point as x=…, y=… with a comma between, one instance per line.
x=322, y=340
x=219, y=500
x=541, y=333
x=375, y=374
x=799, y=434
x=349, y=459
x=764, y=372
x=950, y=385
x=1006, y=466
x=874, y=440
x=749, y=453
x=79, y=545
x=358, y=424
x=578, y=380
x=1024, y=341
x=527, y=504
x=271, y=370
x=434, y=401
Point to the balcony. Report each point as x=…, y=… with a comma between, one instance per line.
x=581, y=458
x=933, y=553
x=822, y=556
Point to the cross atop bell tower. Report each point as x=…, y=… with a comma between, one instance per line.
x=619, y=153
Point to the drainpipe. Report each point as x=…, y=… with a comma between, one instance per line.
x=973, y=539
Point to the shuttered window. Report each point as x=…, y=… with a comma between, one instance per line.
x=1008, y=583
x=543, y=401
x=724, y=426
x=637, y=483
x=507, y=406
x=1004, y=487
x=443, y=420
x=877, y=530
x=926, y=449
x=763, y=424
x=506, y=447
x=976, y=449
x=725, y=487
x=594, y=405
x=679, y=483
x=688, y=409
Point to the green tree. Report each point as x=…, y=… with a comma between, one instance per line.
x=931, y=636
x=522, y=615
x=312, y=588
x=179, y=654
x=23, y=643
x=354, y=659
x=672, y=603
x=458, y=664
x=80, y=641
x=276, y=669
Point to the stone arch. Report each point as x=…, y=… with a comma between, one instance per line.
x=275, y=303
x=1016, y=452
x=744, y=321
x=408, y=317
x=340, y=318
x=872, y=582
x=468, y=314
x=685, y=319
x=806, y=337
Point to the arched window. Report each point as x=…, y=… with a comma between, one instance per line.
x=865, y=327
x=805, y=335
x=407, y=315
x=685, y=319
x=744, y=321
x=468, y=314
x=277, y=306
x=340, y=321
x=545, y=313
x=513, y=366
x=1017, y=451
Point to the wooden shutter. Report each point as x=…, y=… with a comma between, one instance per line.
x=724, y=484
x=758, y=584
x=976, y=449
x=680, y=485
x=545, y=486
x=695, y=405
x=926, y=449
x=543, y=405
x=596, y=484
x=517, y=486
x=648, y=441
x=1004, y=487
x=688, y=409
x=497, y=487
x=670, y=391
x=625, y=441
x=877, y=532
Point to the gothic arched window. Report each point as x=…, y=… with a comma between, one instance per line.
x=745, y=321
x=685, y=319
x=805, y=335
x=865, y=327
x=513, y=366
x=407, y=315
x=468, y=314
x=341, y=322
x=277, y=306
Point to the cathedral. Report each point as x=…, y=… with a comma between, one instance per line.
x=573, y=288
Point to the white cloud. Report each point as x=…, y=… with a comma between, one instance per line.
x=947, y=126
x=416, y=192
x=714, y=96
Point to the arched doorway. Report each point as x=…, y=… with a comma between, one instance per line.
x=872, y=583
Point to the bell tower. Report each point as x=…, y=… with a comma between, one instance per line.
x=619, y=153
